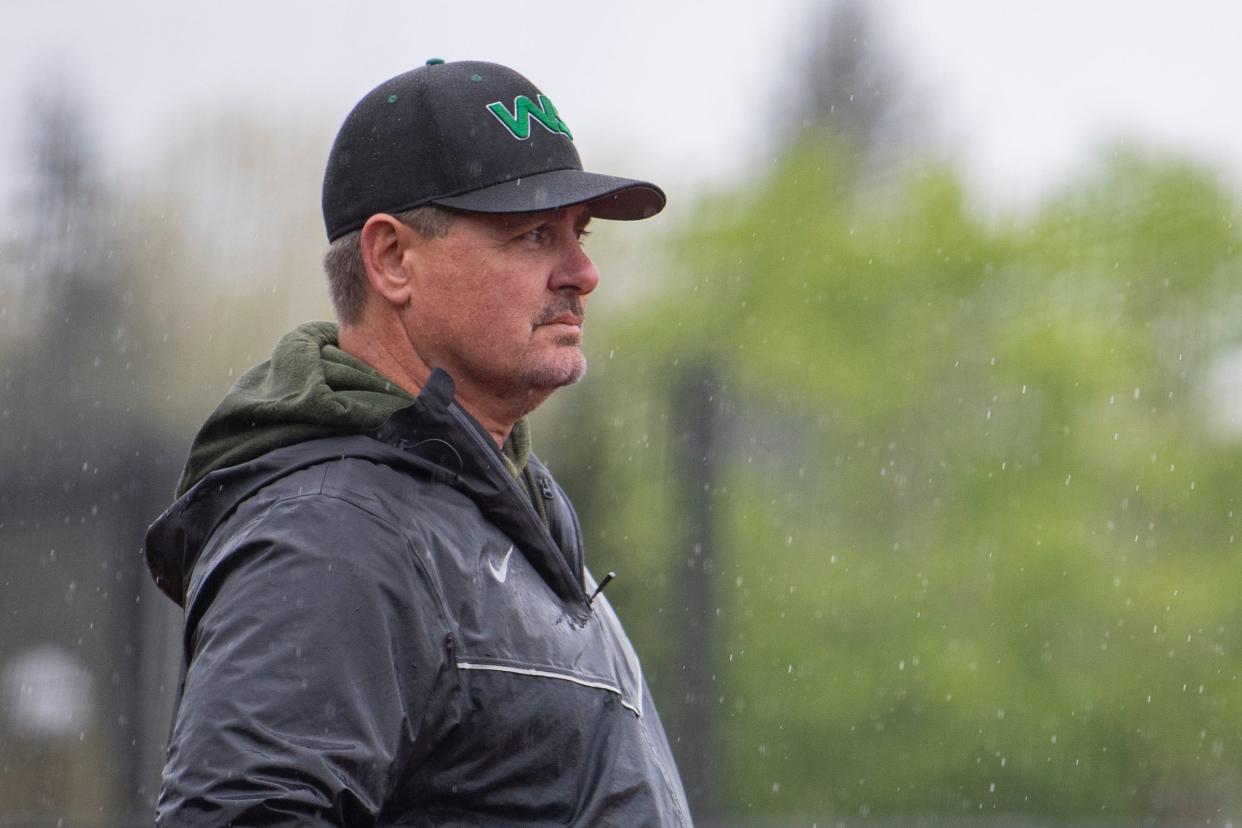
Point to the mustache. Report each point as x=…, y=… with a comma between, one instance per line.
x=559, y=306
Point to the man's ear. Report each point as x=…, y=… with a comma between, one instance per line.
x=384, y=241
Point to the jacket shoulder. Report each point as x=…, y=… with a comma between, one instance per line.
x=331, y=516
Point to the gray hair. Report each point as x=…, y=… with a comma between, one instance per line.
x=347, y=278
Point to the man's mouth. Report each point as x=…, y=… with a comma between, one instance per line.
x=567, y=313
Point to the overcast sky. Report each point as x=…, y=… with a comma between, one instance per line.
x=1021, y=91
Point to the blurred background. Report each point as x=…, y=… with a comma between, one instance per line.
x=913, y=425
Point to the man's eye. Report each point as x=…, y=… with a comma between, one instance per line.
x=538, y=235
x=582, y=235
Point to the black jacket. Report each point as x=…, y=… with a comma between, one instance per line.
x=380, y=630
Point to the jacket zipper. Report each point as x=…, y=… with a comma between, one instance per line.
x=578, y=565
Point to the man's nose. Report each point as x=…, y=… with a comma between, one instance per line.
x=576, y=271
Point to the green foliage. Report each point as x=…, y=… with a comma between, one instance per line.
x=976, y=530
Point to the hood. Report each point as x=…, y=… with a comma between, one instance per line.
x=432, y=437
x=309, y=389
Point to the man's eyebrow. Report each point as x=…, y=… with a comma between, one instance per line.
x=519, y=219
x=508, y=220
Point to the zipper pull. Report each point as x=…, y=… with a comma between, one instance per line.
x=545, y=488
x=607, y=579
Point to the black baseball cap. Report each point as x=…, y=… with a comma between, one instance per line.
x=467, y=135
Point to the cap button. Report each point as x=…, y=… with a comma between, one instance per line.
x=434, y=61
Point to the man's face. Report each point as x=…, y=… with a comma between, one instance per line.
x=499, y=302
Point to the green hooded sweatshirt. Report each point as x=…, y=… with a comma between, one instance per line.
x=309, y=389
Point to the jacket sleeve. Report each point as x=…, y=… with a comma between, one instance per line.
x=314, y=645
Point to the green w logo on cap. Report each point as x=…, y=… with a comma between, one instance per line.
x=518, y=123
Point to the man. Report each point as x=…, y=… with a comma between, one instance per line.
x=387, y=616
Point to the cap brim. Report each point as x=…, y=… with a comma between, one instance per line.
x=623, y=199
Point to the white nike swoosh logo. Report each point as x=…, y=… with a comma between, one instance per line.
x=503, y=572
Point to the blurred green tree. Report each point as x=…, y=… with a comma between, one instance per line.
x=974, y=507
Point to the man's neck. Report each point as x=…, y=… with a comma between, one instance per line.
x=404, y=367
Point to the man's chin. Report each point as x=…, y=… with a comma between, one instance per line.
x=558, y=373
